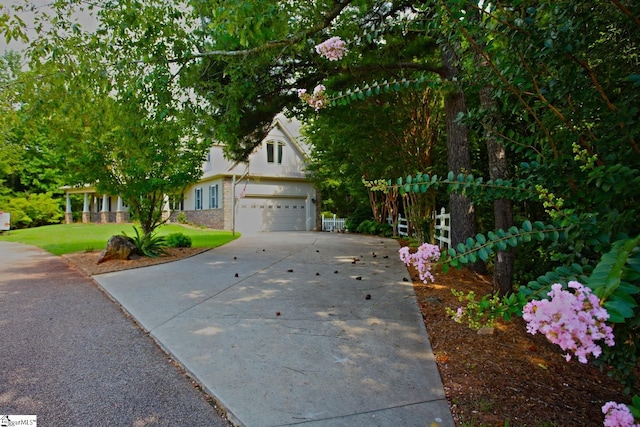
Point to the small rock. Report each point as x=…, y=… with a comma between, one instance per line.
x=359, y=278
x=367, y=297
x=277, y=313
x=485, y=330
x=335, y=272
x=237, y=275
x=404, y=279
x=317, y=274
x=290, y=270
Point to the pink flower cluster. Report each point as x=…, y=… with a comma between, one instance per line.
x=332, y=49
x=617, y=415
x=573, y=320
x=421, y=260
x=318, y=100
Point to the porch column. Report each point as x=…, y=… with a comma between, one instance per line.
x=121, y=216
x=68, y=215
x=104, y=213
x=166, y=210
x=86, y=215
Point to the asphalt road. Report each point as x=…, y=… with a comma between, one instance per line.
x=70, y=355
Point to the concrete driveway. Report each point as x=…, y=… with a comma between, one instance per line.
x=288, y=328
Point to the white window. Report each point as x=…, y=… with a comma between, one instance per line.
x=271, y=152
x=213, y=197
x=198, y=205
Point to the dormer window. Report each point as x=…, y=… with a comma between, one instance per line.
x=275, y=152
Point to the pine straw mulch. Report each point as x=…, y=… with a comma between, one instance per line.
x=511, y=377
x=88, y=261
x=508, y=378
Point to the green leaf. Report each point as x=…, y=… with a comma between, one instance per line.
x=526, y=226
x=618, y=308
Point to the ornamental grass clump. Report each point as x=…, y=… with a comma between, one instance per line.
x=151, y=245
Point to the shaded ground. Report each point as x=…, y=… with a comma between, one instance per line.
x=510, y=376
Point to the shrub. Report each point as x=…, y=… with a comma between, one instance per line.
x=373, y=227
x=178, y=240
x=182, y=218
x=361, y=214
x=32, y=211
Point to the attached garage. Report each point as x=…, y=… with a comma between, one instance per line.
x=271, y=214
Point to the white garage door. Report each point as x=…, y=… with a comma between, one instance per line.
x=271, y=214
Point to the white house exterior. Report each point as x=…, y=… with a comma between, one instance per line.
x=269, y=192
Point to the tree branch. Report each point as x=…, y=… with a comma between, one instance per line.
x=626, y=11
x=328, y=19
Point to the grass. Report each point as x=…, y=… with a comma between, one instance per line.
x=63, y=239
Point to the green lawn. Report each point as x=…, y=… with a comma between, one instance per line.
x=68, y=238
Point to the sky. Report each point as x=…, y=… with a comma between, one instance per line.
x=42, y=6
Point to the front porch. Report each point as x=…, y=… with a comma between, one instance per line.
x=97, y=208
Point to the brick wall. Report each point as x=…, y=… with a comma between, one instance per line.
x=210, y=218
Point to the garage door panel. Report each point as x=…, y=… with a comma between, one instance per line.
x=271, y=214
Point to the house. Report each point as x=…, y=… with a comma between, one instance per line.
x=97, y=207
x=269, y=192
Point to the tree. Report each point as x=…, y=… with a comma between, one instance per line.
x=256, y=71
x=124, y=125
x=386, y=136
x=564, y=80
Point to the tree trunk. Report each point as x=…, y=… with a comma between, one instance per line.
x=458, y=158
x=502, y=208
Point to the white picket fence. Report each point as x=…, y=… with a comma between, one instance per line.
x=333, y=224
x=442, y=227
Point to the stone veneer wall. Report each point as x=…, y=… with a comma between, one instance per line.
x=211, y=218
x=227, y=204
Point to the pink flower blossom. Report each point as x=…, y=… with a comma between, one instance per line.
x=421, y=260
x=574, y=321
x=332, y=49
x=318, y=100
x=617, y=415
